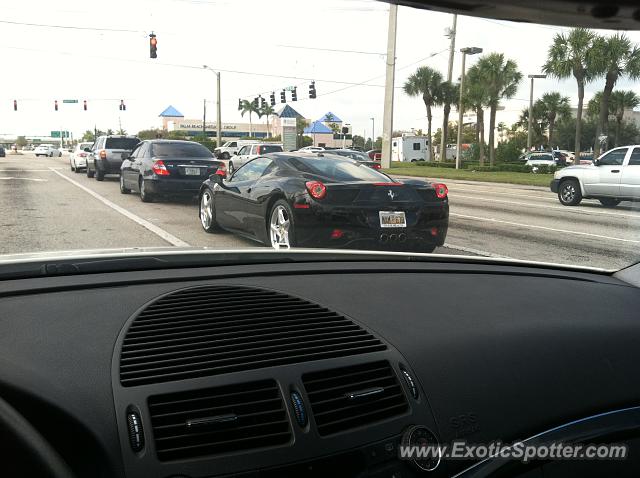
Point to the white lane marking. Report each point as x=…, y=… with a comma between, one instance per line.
x=543, y=206
x=15, y=170
x=170, y=238
x=553, y=229
x=474, y=251
x=23, y=179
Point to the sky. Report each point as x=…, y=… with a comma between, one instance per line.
x=82, y=49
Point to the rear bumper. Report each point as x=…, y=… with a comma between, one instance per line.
x=349, y=227
x=554, y=185
x=109, y=166
x=174, y=186
x=80, y=162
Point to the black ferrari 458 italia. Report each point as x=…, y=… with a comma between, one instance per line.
x=322, y=200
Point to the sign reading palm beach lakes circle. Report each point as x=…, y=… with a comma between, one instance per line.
x=190, y=126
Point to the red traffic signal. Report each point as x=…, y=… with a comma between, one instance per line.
x=153, y=46
x=15, y=105
x=55, y=105
x=84, y=105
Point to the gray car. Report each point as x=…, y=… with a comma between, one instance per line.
x=105, y=156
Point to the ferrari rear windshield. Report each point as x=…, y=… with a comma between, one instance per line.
x=338, y=169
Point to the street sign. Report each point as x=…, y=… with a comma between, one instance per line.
x=69, y=101
x=289, y=88
x=56, y=134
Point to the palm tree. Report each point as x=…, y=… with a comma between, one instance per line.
x=248, y=107
x=425, y=82
x=612, y=57
x=448, y=94
x=266, y=110
x=619, y=102
x=539, y=123
x=593, y=107
x=475, y=98
x=552, y=106
x=500, y=78
x=568, y=56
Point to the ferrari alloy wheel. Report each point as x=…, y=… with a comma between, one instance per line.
x=280, y=226
x=207, y=213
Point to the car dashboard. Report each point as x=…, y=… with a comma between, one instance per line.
x=313, y=368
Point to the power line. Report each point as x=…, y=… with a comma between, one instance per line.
x=71, y=27
x=332, y=50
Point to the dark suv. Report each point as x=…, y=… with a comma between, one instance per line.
x=105, y=156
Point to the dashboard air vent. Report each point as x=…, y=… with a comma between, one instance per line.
x=218, y=420
x=350, y=397
x=205, y=331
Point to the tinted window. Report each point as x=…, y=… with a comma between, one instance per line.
x=180, y=150
x=416, y=146
x=337, y=169
x=613, y=158
x=543, y=157
x=121, y=143
x=252, y=170
x=81, y=146
x=270, y=149
x=233, y=144
x=634, y=160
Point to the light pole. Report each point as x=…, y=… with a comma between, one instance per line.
x=373, y=132
x=387, y=118
x=218, y=109
x=471, y=50
x=529, y=130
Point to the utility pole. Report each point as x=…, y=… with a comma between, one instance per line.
x=204, y=118
x=219, y=115
x=465, y=51
x=529, y=128
x=452, y=48
x=373, y=132
x=387, y=120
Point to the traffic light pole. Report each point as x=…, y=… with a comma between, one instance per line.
x=219, y=115
x=387, y=120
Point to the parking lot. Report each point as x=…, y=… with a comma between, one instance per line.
x=44, y=206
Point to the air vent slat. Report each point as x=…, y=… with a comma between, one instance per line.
x=354, y=396
x=204, y=331
x=223, y=419
x=222, y=357
x=208, y=371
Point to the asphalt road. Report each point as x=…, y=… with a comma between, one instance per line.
x=44, y=206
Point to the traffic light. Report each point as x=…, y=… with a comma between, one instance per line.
x=263, y=103
x=122, y=106
x=15, y=105
x=283, y=97
x=239, y=103
x=55, y=105
x=272, y=98
x=255, y=103
x=153, y=46
x=312, y=90
x=294, y=94
x=84, y=105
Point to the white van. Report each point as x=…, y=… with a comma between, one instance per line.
x=230, y=148
x=410, y=148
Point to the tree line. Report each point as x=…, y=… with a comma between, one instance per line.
x=581, y=53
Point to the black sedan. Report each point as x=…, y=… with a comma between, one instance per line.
x=166, y=168
x=313, y=200
x=357, y=156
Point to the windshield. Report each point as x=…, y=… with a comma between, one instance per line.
x=121, y=143
x=179, y=150
x=496, y=139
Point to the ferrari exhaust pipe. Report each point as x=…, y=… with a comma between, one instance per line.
x=402, y=237
x=384, y=238
x=392, y=237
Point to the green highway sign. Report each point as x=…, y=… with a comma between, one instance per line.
x=69, y=101
x=56, y=134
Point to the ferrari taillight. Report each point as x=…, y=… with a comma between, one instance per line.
x=316, y=189
x=159, y=168
x=441, y=190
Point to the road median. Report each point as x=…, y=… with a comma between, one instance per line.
x=528, y=179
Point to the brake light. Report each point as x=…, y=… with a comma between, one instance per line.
x=159, y=168
x=316, y=189
x=221, y=171
x=376, y=166
x=259, y=150
x=82, y=155
x=441, y=190
x=103, y=154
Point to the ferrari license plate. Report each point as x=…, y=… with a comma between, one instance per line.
x=192, y=171
x=393, y=219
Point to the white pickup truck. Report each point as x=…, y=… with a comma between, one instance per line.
x=613, y=177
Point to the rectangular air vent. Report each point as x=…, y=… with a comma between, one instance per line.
x=204, y=331
x=218, y=420
x=350, y=397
